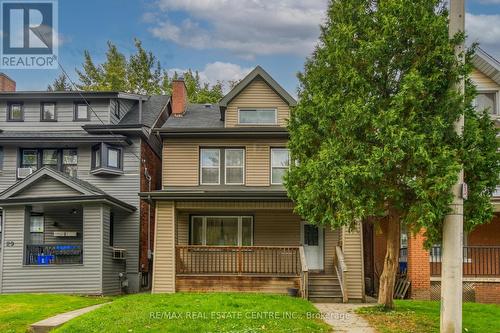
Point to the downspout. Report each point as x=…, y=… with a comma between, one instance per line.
x=148, y=178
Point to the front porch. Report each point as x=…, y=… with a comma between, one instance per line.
x=253, y=247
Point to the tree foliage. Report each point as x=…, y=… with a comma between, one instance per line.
x=373, y=133
x=61, y=83
x=140, y=73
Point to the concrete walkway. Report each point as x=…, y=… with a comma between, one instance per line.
x=342, y=317
x=44, y=326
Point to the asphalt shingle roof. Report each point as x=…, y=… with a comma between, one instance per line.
x=151, y=109
x=197, y=116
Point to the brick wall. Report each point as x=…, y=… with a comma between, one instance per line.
x=486, y=234
x=418, y=267
x=153, y=163
x=6, y=83
x=487, y=292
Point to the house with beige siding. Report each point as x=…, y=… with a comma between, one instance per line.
x=71, y=166
x=224, y=221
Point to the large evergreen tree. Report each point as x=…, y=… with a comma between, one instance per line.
x=373, y=133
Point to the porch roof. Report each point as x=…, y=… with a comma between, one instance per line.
x=51, y=186
x=273, y=193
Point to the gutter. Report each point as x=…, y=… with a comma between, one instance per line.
x=201, y=195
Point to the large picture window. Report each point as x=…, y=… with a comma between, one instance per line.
x=257, y=116
x=280, y=162
x=221, y=230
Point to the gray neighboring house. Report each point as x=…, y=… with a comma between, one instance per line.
x=70, y=173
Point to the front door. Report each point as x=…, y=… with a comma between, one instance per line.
x=312, y=240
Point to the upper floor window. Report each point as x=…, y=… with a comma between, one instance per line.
x=280, y=162
x=487, y=100
x=107, y=157
x=222, y=166
x=210, y=166
x=1, y=158
x=15, y=112
x=257, y=116
x=65, y=160
x=81, y=111
x=48, y=112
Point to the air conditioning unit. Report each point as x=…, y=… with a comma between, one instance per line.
x=119, y=254
x=24, y=172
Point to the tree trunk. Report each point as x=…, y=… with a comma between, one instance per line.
x=388, y=277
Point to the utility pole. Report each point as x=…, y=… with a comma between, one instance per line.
x=452, y=246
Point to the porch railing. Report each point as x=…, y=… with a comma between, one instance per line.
x=341, y=269
x=304, y=275
x=53, y=254
x=261, y=260
x=478, y=261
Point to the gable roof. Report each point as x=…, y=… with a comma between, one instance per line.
x=487, y=65
x=85, y=190
x=257, y=72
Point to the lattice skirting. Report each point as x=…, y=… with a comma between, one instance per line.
x=469, y=293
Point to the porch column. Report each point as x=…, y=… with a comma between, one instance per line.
x=164, y=248
x=418, y=267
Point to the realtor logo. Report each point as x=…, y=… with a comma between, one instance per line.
x=29, y=34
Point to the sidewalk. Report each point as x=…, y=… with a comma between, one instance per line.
x=342, y=317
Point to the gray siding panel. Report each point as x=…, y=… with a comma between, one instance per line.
x=85, y=279
x=47, y=187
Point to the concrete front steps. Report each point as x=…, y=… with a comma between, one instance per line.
x=324, y=289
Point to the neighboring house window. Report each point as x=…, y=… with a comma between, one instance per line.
x=107, y=156
x=48, y=112
x=280, y=162
x=258, y=116
x=36, y=228
x=15, y=112
x=65, y=160
x=222, y=230
x=234, y=161
x=487, y=101
x=117, y=109
x=81, y=111
x=210, y=166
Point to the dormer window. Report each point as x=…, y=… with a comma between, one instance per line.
x=48, y=112
x=81, y=112
x=487, y=101
x=15, y=112
x=251, y=116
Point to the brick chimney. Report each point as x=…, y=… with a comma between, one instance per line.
x=179, y=97
x=6, y=83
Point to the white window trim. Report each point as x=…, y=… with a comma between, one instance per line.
x=233, y=167
x=255, y=109
x=240, y=227
x=201, y=167
x=278, y=167
x=497, y=100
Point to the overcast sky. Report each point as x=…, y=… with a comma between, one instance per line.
x=223, y=39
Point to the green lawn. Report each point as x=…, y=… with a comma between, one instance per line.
x=423, y=317
x=18, y=311
x=190, y=312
